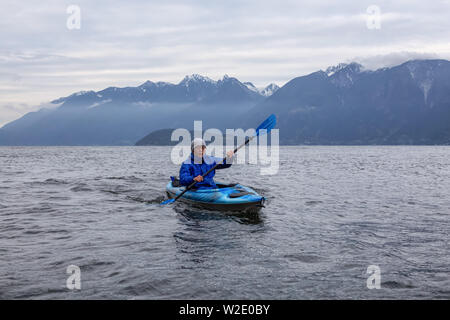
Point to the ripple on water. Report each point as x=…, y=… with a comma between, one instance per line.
x=50, y=181
x=306, y=258
x=397, y=285
x=324, y=222
x=82, y=187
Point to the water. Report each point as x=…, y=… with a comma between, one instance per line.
x=331, y=212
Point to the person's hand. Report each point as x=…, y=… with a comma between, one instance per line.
x=230, y=154
x=198, y=178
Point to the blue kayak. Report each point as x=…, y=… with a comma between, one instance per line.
x=227, y=197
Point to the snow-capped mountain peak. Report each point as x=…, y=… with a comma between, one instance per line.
x=196, y=78
x=352, y=67
x=193, y=87
x=251, y=86
x=269, y=90
x=266, y=91
x=147, y=84
x=80, y=93
x=344, y=75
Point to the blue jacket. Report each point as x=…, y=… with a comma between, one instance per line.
x=189, y=170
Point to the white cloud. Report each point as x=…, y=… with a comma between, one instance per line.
x=124, y=43
x=392, y=59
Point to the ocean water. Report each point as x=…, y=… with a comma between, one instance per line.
x=331, y=212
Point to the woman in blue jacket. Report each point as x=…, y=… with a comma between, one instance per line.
x=198, y=164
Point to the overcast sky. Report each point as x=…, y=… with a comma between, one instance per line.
x=124, y=43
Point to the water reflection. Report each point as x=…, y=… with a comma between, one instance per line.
x=203, y=236
x=199, y=214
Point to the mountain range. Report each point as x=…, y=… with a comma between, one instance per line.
x=121, y=116
x=344, y=104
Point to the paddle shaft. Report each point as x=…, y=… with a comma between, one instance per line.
x=208, y=172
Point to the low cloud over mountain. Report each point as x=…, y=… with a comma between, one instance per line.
x=344, y=104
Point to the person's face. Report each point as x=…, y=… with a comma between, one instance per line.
x=199, y=151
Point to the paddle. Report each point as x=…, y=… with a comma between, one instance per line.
x=263, y=128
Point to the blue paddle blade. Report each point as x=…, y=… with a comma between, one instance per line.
x=267, y=125
x=167, y=201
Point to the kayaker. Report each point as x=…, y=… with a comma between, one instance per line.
x=198, y=164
